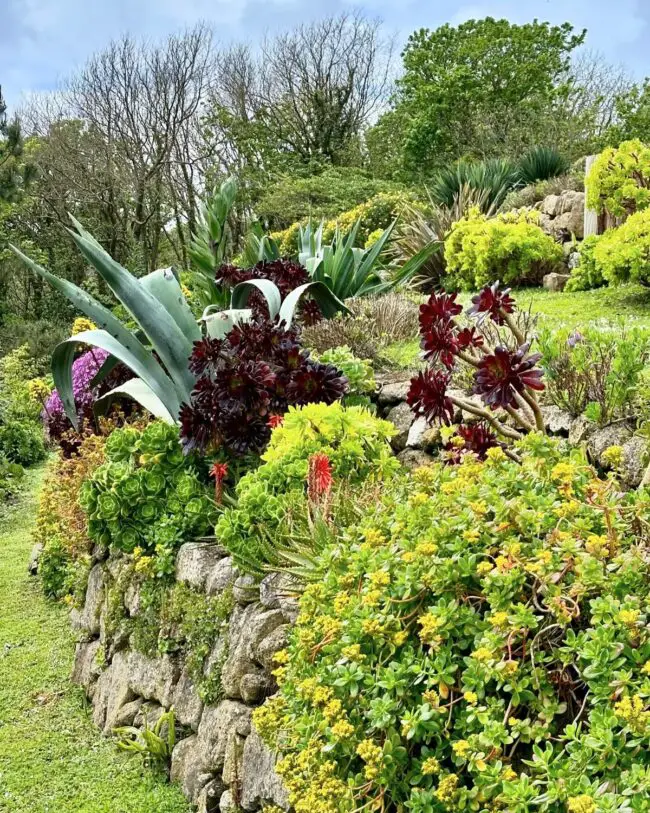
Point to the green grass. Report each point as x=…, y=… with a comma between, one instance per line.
x=627, y=303
x=52, y=758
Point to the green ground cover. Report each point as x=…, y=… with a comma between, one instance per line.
x=576, y=310
x=52, y=758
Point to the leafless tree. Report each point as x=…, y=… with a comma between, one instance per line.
x=596, y=84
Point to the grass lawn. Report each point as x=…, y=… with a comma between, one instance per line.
x=627, y=303
x=52, y=758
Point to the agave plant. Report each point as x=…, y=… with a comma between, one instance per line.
x=210, y=243
x=419, y=230
x=158, y=352
x=259, y=247
x=349, y=271
x=495, y=176
x=540, y=164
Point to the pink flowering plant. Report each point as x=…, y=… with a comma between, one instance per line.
x=494, y=344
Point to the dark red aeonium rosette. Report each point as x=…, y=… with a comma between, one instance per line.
x=492, y=301
x=476, y=438
x=427, y=396
x=506, y=372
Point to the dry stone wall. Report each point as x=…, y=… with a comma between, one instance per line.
x=220, y=762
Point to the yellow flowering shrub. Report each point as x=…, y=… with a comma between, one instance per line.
x=504, y=670
x=619, y=179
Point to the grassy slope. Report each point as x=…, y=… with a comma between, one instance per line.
x=52, y=759
x=630, y=303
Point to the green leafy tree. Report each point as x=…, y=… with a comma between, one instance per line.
x=478, y=88
x=14, y=173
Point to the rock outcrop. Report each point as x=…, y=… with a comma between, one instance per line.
x=219, y=761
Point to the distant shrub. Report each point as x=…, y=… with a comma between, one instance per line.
x=540, y=164
x=587, y=274
x=494, y=177
x=623, y=254
x=509, y=247
x=619, y=179
x=10, y=476
x=375, y=323
x=22, y=442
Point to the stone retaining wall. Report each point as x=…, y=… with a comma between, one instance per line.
x=220, y=762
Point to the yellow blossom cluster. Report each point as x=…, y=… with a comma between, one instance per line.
x=447, y=787
x=581, y=804
x=632, y=711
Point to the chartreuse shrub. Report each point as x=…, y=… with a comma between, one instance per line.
x=374, y=216
x=147, y=495
x=623, y=254
x=588, y=274
x=22, y=442
x=479, y=641
x=509, y=247
x=21, y=435
x=10, y=476
x=61, y=523
x=356, y=445
x=619, y=179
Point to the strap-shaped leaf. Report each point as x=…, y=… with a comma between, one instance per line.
x=218, y=325
x=148, y=367
x=269, y=290
x=160, y=328
x=370, y=257
x=329, y=304
x=63, y=357
x=165, y=287
x=137, y=390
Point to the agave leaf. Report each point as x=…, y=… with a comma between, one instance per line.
x=327, y=301
x=63, y=357
x=370, y=257
x=137, y=390
x=104, y=371
x=241, y=294
x=167, y=339
x=167, y=290
x=218, y=325
x=412, y=266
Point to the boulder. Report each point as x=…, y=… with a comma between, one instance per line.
x=581, y=430
x=222, y=576
x=273, y=643
x=132, y=598
x=153, y=678
x=87, y=621
x=280, y=591
x=195, y=561
x=34, y=558
x=187, y=769
x=248, y=628
x=414, y=458
x=246, y=590
x=634, y=461
x=556, y=420
x=422, y=435
x=127, y=714
x=615, y=434
x=217, y=725
x=260, y=784
x=86, y=670
x=188, y=706
x=112, y=693
x=393, y=393
x=401, y=416
x=254, y=688
x=208, y=799
x=227, y=803
x=551, y=205
x=555, y=282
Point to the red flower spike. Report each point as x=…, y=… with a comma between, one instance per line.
x=501, y=375
x=275, y=420
x=219, y=471
x=428, y=396
x=492, y=301
x=319, y=477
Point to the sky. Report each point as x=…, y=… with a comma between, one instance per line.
x=42, y=41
